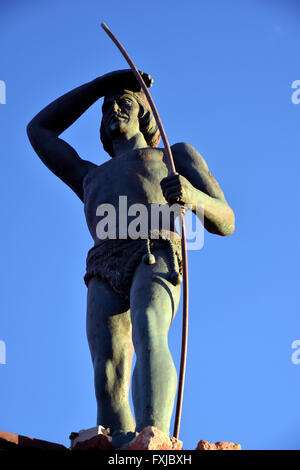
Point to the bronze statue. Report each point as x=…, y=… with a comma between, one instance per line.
x=133, y=284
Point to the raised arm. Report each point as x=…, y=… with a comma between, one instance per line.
x=44, y=129
x=194, y=185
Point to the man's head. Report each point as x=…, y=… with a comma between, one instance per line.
x=127, y=112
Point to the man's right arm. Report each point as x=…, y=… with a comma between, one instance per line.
x=44, y=129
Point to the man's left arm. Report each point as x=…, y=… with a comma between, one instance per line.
x=194, y=184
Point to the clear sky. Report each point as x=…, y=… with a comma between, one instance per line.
x=223, y=73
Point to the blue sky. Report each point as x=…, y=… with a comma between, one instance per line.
x=223, y=73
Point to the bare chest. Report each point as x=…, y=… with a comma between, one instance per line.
x=136, y=175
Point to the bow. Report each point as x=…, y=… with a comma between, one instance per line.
x=172, y=171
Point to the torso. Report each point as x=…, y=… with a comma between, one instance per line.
x=136, y=175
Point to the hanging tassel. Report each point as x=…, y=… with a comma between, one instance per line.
x=148, y=257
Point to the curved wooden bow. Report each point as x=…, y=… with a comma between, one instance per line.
x=172, y=171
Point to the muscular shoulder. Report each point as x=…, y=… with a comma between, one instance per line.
x=185, y=155
x=190, y=164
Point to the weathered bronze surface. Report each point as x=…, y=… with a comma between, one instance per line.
x=118, y=324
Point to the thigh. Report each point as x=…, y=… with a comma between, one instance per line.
x=108, y=321
x=153, y=298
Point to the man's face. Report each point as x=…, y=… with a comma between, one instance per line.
x=120, y=115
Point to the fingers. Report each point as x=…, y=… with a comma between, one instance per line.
x=170, y=182
x=132, y=83
x=174, y=198
x=173, y=195
x=172, y=189
x=170, y=178
x=124, y=79
x=147, y=79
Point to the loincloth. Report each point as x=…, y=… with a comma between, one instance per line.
x=114, y=261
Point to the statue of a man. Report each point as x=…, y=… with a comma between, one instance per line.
x=133, y=289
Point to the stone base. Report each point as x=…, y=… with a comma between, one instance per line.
x=12, y=441
x=222, y=445
x=92, y=438
x=97, y=438
x=99, y=442
x=151, y=438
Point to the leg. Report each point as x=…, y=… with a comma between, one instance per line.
x=154, y=301
x=109, y=337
